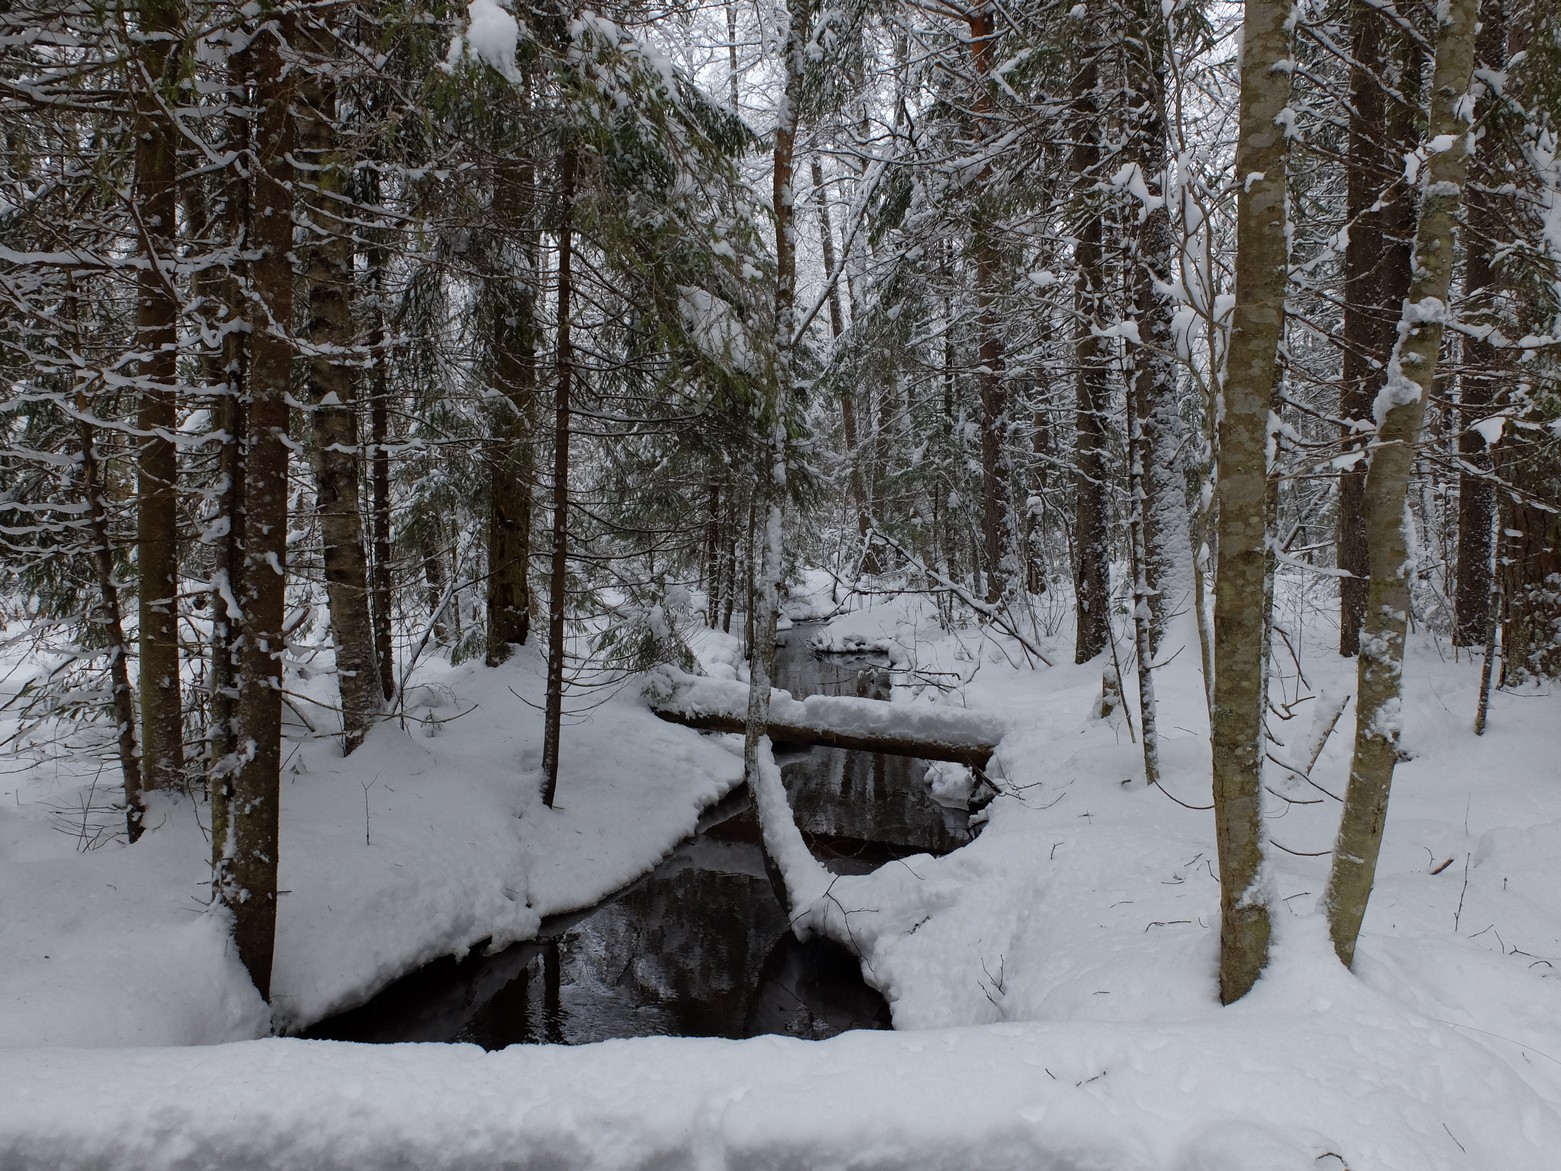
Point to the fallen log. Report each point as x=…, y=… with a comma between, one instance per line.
x=921, y=730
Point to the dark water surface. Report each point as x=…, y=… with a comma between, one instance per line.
x=699, y=947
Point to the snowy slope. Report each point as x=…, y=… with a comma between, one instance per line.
x=427, y=841
x=1055, y=979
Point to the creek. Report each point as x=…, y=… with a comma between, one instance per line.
x=700, y=946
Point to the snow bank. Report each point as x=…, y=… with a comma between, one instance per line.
x=1055, y=979
x=427, y=841
x=1313, y=1072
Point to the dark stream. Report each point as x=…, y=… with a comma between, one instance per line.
x=700, y=946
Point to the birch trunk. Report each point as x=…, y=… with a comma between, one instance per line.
x=1400, y=412
x=1251, y=374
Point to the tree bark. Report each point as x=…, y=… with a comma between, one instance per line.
x=1484, y=364
x=512, y=361
x=329, y=389
x=1153, y=372
x=1092, y=355
x=155, y=203
x=1161, y=549
x=436, y=581
x=770, y=492
x=558, y=579
x=228, y=567
x=997, y=530
x=380, y=355
x=1376, y=271
x=1400, y=411
x=245, y=856
x=855, y=481
x=110, y=617
x=1240, y=619
x=379, y=486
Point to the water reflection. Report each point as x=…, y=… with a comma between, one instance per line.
x=701, y=945
x=872, y=798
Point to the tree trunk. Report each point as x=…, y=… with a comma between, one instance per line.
x=770, y=492
x=710, y=555
x=1530, y=573
x=436, y=581
x=1157, y=497
x=378, y=380
x=155, y=203
x=997, y=530
x=792, y=724
x=245, y=856
x=329, y=389
x=228, y=501
x=379, y=486
x=512, y=360
x=1143, y=618
x=1400, y=411
x=558, y=578
x=1376, y=270
x=1240, y=620
x=1092, y=356
x=1484, y=364
x=110, y=616
x=1153, y=372
x=856, y=483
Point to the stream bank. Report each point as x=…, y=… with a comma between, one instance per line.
x=701, y=946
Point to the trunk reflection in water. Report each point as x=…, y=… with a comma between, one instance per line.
x=699, y=947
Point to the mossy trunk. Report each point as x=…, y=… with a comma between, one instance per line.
x=1251, y=375
x=1400, y=412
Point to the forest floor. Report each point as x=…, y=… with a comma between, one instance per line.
x=1052, y=983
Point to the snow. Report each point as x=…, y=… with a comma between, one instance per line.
x=459, y=851
x=1052, y=983
x=1490, y=429
x=693, y=695
x=492, y=34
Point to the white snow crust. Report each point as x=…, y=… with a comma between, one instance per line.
x=1053, y=983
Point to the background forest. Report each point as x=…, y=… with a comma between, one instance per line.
x=337, y=336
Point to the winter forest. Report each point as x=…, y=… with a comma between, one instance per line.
x=780, y=583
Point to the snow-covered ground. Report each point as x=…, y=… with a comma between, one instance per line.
x=431, y=838
x=1054, y=979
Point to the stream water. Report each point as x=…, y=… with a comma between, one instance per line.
x=700, y=946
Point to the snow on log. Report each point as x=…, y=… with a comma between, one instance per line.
x=922, y=730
